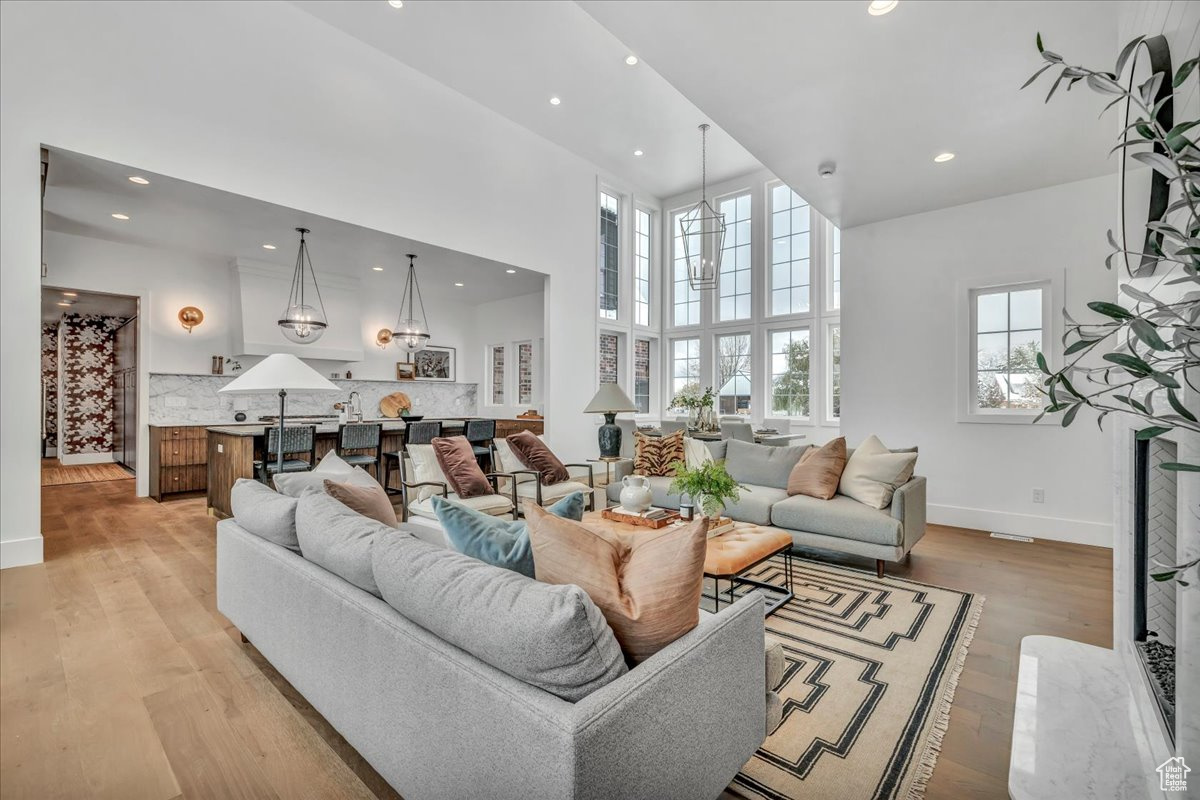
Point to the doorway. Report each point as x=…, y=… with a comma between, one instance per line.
x=89, y=386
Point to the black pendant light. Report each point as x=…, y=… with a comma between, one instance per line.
x=703, y=231
x=304, y=320
x=411, y=334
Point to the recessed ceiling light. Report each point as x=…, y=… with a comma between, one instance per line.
x=70, y=294
x=268, y=247
x=396, y=3
x=61, y=303
x=638, y=153
x=377, y=269
x=458, y=284
x=139, y=180
x=554, y=101
x=631, y=60
x=120, y=216
x=511, y=271
x=877, y=8
x=942, y=158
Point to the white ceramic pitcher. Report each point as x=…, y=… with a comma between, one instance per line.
x=636, y=497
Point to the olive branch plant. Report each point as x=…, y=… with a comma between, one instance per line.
x=1150, y=348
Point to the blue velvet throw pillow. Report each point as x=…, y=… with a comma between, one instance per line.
x=494, y=540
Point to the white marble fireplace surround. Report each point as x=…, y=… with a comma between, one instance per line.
x=194, y=399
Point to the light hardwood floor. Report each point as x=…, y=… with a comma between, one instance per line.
x=119, y=678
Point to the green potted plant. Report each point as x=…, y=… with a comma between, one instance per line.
x=709, y=485
x=692, y=400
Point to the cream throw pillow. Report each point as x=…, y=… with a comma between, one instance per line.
x=425, y=468
x=696, y=452
x=873, y=473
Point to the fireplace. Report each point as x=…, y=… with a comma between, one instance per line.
x=1155, y=533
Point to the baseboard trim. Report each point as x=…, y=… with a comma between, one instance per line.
x=1076, y=531
x=20, y=552
x=68, y=459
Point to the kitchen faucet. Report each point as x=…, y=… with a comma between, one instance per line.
x=355, y=407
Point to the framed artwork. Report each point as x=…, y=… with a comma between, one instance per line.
x=434, y=364
x=405, y=372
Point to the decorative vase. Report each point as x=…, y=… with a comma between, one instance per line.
x=636, y=497
x=701, y=501
x=707, y=419
x=693, y=417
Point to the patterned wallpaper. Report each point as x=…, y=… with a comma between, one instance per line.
x=50, y=379
x=88, y=355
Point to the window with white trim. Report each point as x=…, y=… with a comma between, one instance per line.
x=734, y=284
x=1007, y=328
x=791, y=355
x=609, y=256
x=496, y=375
x=834, y=349
x=641, y=374
x=791, y=252
x=686, y=300
x=735, y=373
x=685, y=366
x=641, y=267
x=835, y=269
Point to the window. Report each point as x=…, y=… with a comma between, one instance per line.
x=496, y=388
x=641, y=268
x=524, y=372
x=1007, y=325
x=834, y=349
x=685, y=365
x=641, y=375
x=835, y=280
x=686, y=299
x=609, y=261
x=790, y=373
x=610, y=351
x=791, y=277
x=733, y=374
x=734, y=284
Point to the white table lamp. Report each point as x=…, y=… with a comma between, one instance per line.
x=279, y=372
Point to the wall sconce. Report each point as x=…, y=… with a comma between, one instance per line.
x=190, y=317
x=383, y=338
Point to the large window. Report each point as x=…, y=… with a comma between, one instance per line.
x=791, y=353
x=1006, y=332
x=791, y=276
x=686, y=299
x=609, y=256
x=835, y=279
x=835, y=371
x=641, y=375
x=641, y=268
x=685, y=366
x=734, y=284
x=734, y=374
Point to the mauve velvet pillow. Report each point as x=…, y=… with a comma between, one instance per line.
x=370, y=501
x=534, y=454
x=457, y=460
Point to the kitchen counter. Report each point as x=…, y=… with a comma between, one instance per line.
x=323, y=427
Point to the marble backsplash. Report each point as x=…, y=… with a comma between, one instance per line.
x=203, y=405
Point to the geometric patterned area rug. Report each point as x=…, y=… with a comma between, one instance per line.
x=872, y=665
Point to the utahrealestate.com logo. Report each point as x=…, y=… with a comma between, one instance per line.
x=1172, y=775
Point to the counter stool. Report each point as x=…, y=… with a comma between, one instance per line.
x=480, y=433
x=361, y=436
x=297, y=440
x=422, y=432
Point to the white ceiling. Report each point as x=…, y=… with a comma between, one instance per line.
x=804, y=82
x=83, y=192
x=109, y=305
x=513, y=55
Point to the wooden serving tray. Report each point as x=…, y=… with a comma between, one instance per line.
x=641, y=522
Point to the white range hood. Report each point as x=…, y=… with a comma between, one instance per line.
x=260, y=294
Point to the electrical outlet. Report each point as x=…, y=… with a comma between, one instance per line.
x=1039, y=495
x=220, y=448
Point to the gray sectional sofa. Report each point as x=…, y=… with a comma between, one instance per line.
x=840, y=524
x=456, y=679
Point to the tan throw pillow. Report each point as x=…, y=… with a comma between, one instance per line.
x=457, y=461
x=533, y=453
x=370, y=501
x=873, y=473
x=655, y=455
x=819, y=470
x=647, y=585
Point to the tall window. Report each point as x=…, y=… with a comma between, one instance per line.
x=641, y=268
x=734, y=285
x=835, y=281
x=525, y=372
x=791, y=276
x=685, y=365
x=1007, y=333
x=686, y=299
x=835, y=371
x=609, y=250
x=496, y=358
x=610, y=352
x=734, y=369
x=641, y=375
x=791, y=352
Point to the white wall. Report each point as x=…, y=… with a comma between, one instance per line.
x=292, y=112
x=507, y=322
x=900, y=357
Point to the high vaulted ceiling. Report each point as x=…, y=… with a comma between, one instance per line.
x=800, y=83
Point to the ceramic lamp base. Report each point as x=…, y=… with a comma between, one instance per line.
x=610, y=437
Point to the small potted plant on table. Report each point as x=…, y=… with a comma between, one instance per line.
x=708, y=485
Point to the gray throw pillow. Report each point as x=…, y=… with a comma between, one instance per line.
x=265, y=513
x=760, y=464
x=339, y=539
x=552, y=637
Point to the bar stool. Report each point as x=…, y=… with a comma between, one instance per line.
x=361, y=436
x=422, y=432
x=297, y=440
x=480, y=433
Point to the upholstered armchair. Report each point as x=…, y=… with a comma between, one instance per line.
x=528, y=482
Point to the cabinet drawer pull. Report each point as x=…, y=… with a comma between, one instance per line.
x=175, y=452
x=176, y=479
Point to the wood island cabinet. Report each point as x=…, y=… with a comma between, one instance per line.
x=178, y=459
